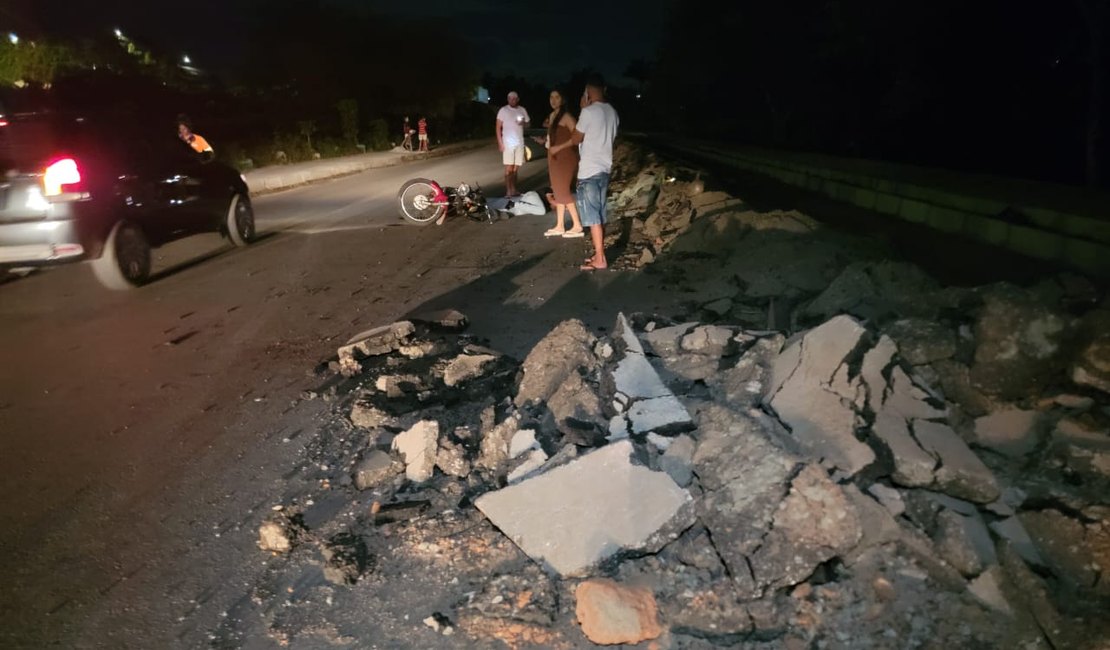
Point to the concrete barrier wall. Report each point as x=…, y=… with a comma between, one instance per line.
x=1066, y=236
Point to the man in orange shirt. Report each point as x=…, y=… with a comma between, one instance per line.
x=198, y=143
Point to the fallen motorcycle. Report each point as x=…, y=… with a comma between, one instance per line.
x=423, y=201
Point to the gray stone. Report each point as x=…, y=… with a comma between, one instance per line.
x=496, y=441
x=815, y=414
x=376, y=468
x=814, y=523
x=678, y=460
x=961, y=473
x=922, y=341
x=572, y=517
x=575, y=400
x=1012, y=530
x=661, y=415
x=742, y=385
x=450, y=319
x=664, y=341
x=1091, y=366
x=1013, y=432
x=377, y=341
x=559, y=354
x=395, y=386
x=710, y=340
x=523, y=440
x=964, y=542
x=618, y=428
x=1062, y=542
x=635, y=377
x=1008, y=503
x=1020, y=344
x=532, y=462
x=451, y=459
x=913, y=466
x=366, y=415
x=987, y=590
x=890, y=498
x=465, y=367
x=630, y=343
x=1086, y=451
x=418, y=446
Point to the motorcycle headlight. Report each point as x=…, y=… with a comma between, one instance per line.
x=464, y=189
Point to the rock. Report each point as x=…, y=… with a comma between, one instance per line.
x=635, y=378
x=678, y=460
x=814, y=523
x=742, y=385
x=960, y=473
x=496, y=441
x=1013, y=532
x=346, y=558
x=1020, y=344
x=566, y=349
x=913, y=466
x=376, y=468
x=1013, y=432
x=274, y=536
x=364, y=414
x=451, y=459
x=873, y=291
x=1030, y=594
x=890, y=498
x=532, y=462
x=575, y=403
x=395, y=386
x=1085, y=451
x=572, y=517
x=447, y=319
x=964, y=542
x=1062, y=542
x=1091, y=366
x=987, y=590
x=955, y=381
x=709, y=340
x=922, y=341
x=664, y=341
x=799, y=394
x=465, y=367
x=418, y=446
x=523, y=440
x=610, y=613
x=626, y=336
x=377, y=341
x=664, y=415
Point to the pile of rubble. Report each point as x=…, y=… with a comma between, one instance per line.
x=923, y=473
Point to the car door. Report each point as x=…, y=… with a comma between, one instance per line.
x=174, y=181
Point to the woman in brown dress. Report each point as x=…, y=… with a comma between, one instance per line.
x=562, y=167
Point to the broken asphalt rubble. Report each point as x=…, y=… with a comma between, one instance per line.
x=875, y=461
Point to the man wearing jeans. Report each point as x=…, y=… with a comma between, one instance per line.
x=594, y=133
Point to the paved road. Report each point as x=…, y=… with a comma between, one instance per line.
x=132, y=424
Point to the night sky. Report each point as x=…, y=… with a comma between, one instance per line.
x=534, y=39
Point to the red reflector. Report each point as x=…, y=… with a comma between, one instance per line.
x=59, y=175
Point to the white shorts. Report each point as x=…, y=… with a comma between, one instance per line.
x=423, y=137
x=513, y=155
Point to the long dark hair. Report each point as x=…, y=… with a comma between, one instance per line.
x=558, y=116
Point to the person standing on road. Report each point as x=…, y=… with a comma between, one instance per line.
x=422, y=133
x=195, y=141
x=406, y=135
x=594, y=134
x=562, y=166
x=512, y=119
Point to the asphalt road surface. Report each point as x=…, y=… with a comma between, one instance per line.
x=136, y=427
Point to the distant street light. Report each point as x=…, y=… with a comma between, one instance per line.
x=13, y=38
x=185, y=59
x=118, y=33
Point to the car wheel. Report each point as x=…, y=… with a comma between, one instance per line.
x=240, y=220
x=125, y=261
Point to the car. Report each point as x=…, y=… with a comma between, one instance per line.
x=105, y=189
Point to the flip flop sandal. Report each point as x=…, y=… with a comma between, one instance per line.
x=570, y=234
x=554, y=233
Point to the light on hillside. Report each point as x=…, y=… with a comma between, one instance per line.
x=13, y=38
x=118, y=33
x=185, y=59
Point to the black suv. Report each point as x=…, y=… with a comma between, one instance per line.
x=106, y=189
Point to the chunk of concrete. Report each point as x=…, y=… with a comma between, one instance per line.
x=566, y=349
x=817, y=416
x=662, y=415
x=419, y=446
x=964, y=542
x=961, y=473
x=678, y=460
x=922, y=341
x=913, y=466
x=465, y=367
x=1013, y=432
x=572, y=517
x=635, y=377
x=373, y=342
x=664, y=341
x=627, y=337
x=523, y=440
x=1012, y=531
x=987, y=590
x=709, y=340
x=532, y=462
x=448, y=319
x=611, y=613
x=890, y=498
x=376, y=468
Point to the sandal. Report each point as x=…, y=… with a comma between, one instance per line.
x=555, y=233
x=574, y=234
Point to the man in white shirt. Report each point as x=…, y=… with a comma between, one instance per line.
x=594, y=133
x=512, y=119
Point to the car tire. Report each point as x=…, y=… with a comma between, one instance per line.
x=240, y=220
x=125, y=261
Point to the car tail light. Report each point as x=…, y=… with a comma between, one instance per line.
x=61, y=176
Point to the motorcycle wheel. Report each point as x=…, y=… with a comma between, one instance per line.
x=415, y=200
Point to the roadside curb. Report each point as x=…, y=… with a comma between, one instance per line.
x=268, y=180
